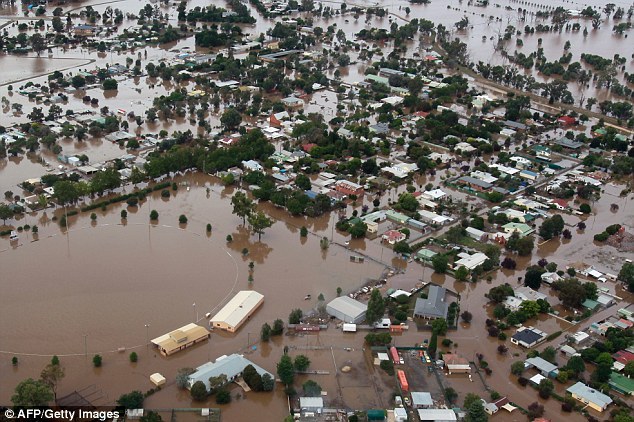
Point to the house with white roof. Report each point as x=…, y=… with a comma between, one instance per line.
x=589, y=396
x=470, y=261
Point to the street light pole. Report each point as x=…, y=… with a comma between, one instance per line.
x=85, y=346
x=196, y=310
x=147, y=335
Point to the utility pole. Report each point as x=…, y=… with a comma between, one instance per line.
x=147, y=336
x=85, y=346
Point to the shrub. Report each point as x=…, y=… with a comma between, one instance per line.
x=165, y=193
x=14, y=360
x=199, y=391
x=174, y=186
x=97, y=360
x=124, y=214
x=229, y=238
x=208, y=227
x=387, y=366
x=133, y=202
x=154, y=215
x=466, y=316
x=303, y=232
x=446, y=342
x=522, y=381
x=182, y=219
x=93, y=216
x=134, y=357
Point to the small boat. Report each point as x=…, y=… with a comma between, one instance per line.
x=307, y=297
x=14, y=236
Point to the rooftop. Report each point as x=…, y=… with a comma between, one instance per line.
x=434, y=306
x=583, y=391
x=231, y=366
x=238, y=307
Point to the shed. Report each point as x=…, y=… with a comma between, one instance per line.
x=347, y=309
x=311, y=404
x=237, y=311
x=157, y=379
x=421, y=400
x=437, y=415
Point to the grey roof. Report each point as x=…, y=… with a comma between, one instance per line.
x=568, y=143
x=473, y=181
x=231, y=366
x=515, y=125
x=542, y=364
x=434, y=306
x=420, y=398
x=347, y=306
x=590, y=394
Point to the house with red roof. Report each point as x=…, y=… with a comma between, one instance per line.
x=308, y=147
x=623, y=356
x=566, y=121
x=393, y=236
x=560, y=204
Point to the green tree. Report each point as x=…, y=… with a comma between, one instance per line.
x=182, y=377
x=51, y=375
x=278, y=327
x=265, y=332
x=311, y=389
x=545, y=388
x=223, y=396
x=549, y=354
x=96, y=361
x=530, y=308
x=199, y=391
x=285, y=370
x=134, y=357
x=243, y=207
x=469, y=399
x=576, y=365
x=450, y=395
x=151, y=416
x=358, y=229
x=32, y=392
x=295, y=316
x=5, y=213
x=231, y=119
x=302, y=181
x=110, y=85
x=376, y=307
x=154, y=215
x=301, y=363
x=626, y=275
x=517, y=368
x=259, y=222
x=402, y=247
x=461, y=273
x=440, y=263
x=133, y=400
x=268, y=383
x=439, y=326
x=217, y=382
x=476, y=413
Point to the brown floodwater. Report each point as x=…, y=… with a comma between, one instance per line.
x=108, y=280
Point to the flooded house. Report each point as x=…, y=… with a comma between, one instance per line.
x=231, y=366
x=237, y=311
x=528, y=337
x=180, y=339
x=589, y=396
x=432, y=307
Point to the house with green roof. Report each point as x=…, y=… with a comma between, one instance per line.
x=621, y=384
x=378, y=79
x=396, y=217
x=425, y=255
x=520, y=228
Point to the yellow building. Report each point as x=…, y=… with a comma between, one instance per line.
x=180, y=339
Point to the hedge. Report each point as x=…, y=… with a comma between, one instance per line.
x=120, y=198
